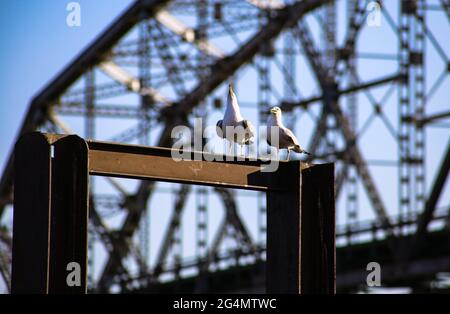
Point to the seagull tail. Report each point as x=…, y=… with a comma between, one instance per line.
x=300, y=150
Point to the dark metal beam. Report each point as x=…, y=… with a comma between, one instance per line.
x=50, y=214
x=301, y=231
x=446, y=6
x=432, y=118
x=305, y=102
x=174, y=224
x=361, y=166
x=430, y=205
x=233, y=220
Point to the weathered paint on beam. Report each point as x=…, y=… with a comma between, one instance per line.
x=156, y=163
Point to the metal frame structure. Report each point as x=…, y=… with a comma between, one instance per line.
x=175, y=67
x=52, y=196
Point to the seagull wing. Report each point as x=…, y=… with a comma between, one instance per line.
x=249, y=131
x=287, y=138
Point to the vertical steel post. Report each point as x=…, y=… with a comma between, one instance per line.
x=69, y=213
x=50, y=213
x=32, y=179
x=301, y=230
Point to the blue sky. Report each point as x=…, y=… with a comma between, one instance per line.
x=36, y=44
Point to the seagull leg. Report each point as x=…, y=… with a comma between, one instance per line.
x=240, y=149
x=289, y=152
x=229, y=148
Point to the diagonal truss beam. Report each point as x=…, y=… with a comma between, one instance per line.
x=430, y=206
x=136, y=206
x=329, y=89
x=174, y=224
x=322, y=75
x=232, y=219
x=227, y=66
x=361, y=165
x=345, y=91
x=446, y=6
x=37, y=110
x=187, y=34
x=109, y=240
x=356, y=22
x=123, y=77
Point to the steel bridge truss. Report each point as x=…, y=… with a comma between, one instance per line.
x=162, y=63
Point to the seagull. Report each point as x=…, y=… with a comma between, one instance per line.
x=243, y=131
x=286, y=138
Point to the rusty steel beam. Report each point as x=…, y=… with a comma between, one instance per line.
x=157, y=163
x=59, y=167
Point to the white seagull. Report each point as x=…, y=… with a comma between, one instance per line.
x=240, y=131
x=286, y=138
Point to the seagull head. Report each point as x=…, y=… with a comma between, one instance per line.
x=276, y=111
